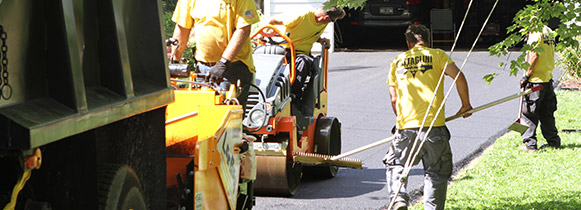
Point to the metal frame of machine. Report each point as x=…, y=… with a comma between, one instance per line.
x=209, y=161
x=283, y=126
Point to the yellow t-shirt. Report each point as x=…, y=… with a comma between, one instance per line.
x=543, y=71
x=214, y=22
x=304, y=31
x=415, y=74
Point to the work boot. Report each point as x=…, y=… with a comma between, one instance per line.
x=399, y=205
x=527, y=148
x=552, y=146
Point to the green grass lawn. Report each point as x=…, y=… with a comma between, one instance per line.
x=507, y=178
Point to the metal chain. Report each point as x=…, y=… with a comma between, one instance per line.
x=5, y=89
x=2, y=50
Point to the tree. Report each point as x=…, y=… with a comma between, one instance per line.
x=532, y=18
x=345, y=3
x=168, y=8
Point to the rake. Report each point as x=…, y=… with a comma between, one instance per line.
x=341, y=160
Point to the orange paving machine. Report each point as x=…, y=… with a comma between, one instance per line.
x=210, y=164
x=290, y=133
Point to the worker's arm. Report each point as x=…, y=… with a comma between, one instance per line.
x=182, y=35
x=393, y=96
x=275, y=21
x=532, y=59
x=240, y=35
x=461, y=86
x=534, y=40
x=321, y=40
x=236, y=42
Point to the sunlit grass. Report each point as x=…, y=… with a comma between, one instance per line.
x=568, y=115
x=507, y=178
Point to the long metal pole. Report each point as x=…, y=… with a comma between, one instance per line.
x=494, y=103
x=363, y=148
x=479, y=108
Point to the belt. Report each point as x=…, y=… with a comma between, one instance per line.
x=207, y=64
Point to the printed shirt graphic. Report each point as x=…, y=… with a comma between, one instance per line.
x=304, y=31
x=543, y=71
x=415, y=74
x=214, y=22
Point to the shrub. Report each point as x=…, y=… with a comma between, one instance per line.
x=570, y=59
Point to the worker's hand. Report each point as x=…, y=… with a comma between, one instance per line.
x=524, y=81
x=218, y=71
x=463, y=109
x=324, y=40
x=385, y=159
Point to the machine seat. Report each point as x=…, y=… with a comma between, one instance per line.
x=270, y=49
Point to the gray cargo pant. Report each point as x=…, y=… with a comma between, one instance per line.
x=436, y=157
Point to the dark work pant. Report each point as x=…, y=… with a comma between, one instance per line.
x=540, y=106
x=436, y=157
x=304, y=67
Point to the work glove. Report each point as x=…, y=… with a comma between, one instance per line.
x=385, y=160
x=524, y=81
x=218, y=71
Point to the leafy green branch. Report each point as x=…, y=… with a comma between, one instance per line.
x=355, y=4
x=532, y=18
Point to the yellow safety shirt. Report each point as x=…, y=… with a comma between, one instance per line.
x=415, y=74
x=304, y=30
x=543, y=71
x=214, y=22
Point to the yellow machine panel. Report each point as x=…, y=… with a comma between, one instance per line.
x=202, y=131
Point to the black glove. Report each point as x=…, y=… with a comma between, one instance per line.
x=218, y=71
x=524, y=81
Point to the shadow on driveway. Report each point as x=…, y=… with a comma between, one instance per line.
x=347, y=183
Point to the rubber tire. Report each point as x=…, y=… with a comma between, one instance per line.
x=328, y=142
x=120, y=189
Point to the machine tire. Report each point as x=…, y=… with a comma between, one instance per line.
x=327, y=142
x=120, y=189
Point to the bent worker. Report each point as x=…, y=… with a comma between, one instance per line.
x=222, y=36
x=540, y=106
x=413, y=77
x=305, y=29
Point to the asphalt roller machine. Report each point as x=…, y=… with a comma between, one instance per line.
x=290, y=133
x=210, y=164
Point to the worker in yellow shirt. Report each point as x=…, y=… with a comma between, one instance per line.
x=413, y=78
x=540, y=106
x=305, y=29
x=221, y=30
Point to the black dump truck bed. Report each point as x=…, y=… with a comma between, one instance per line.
x=77, y=65
x=85, y=84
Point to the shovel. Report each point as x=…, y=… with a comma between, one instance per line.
x=517, y=126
